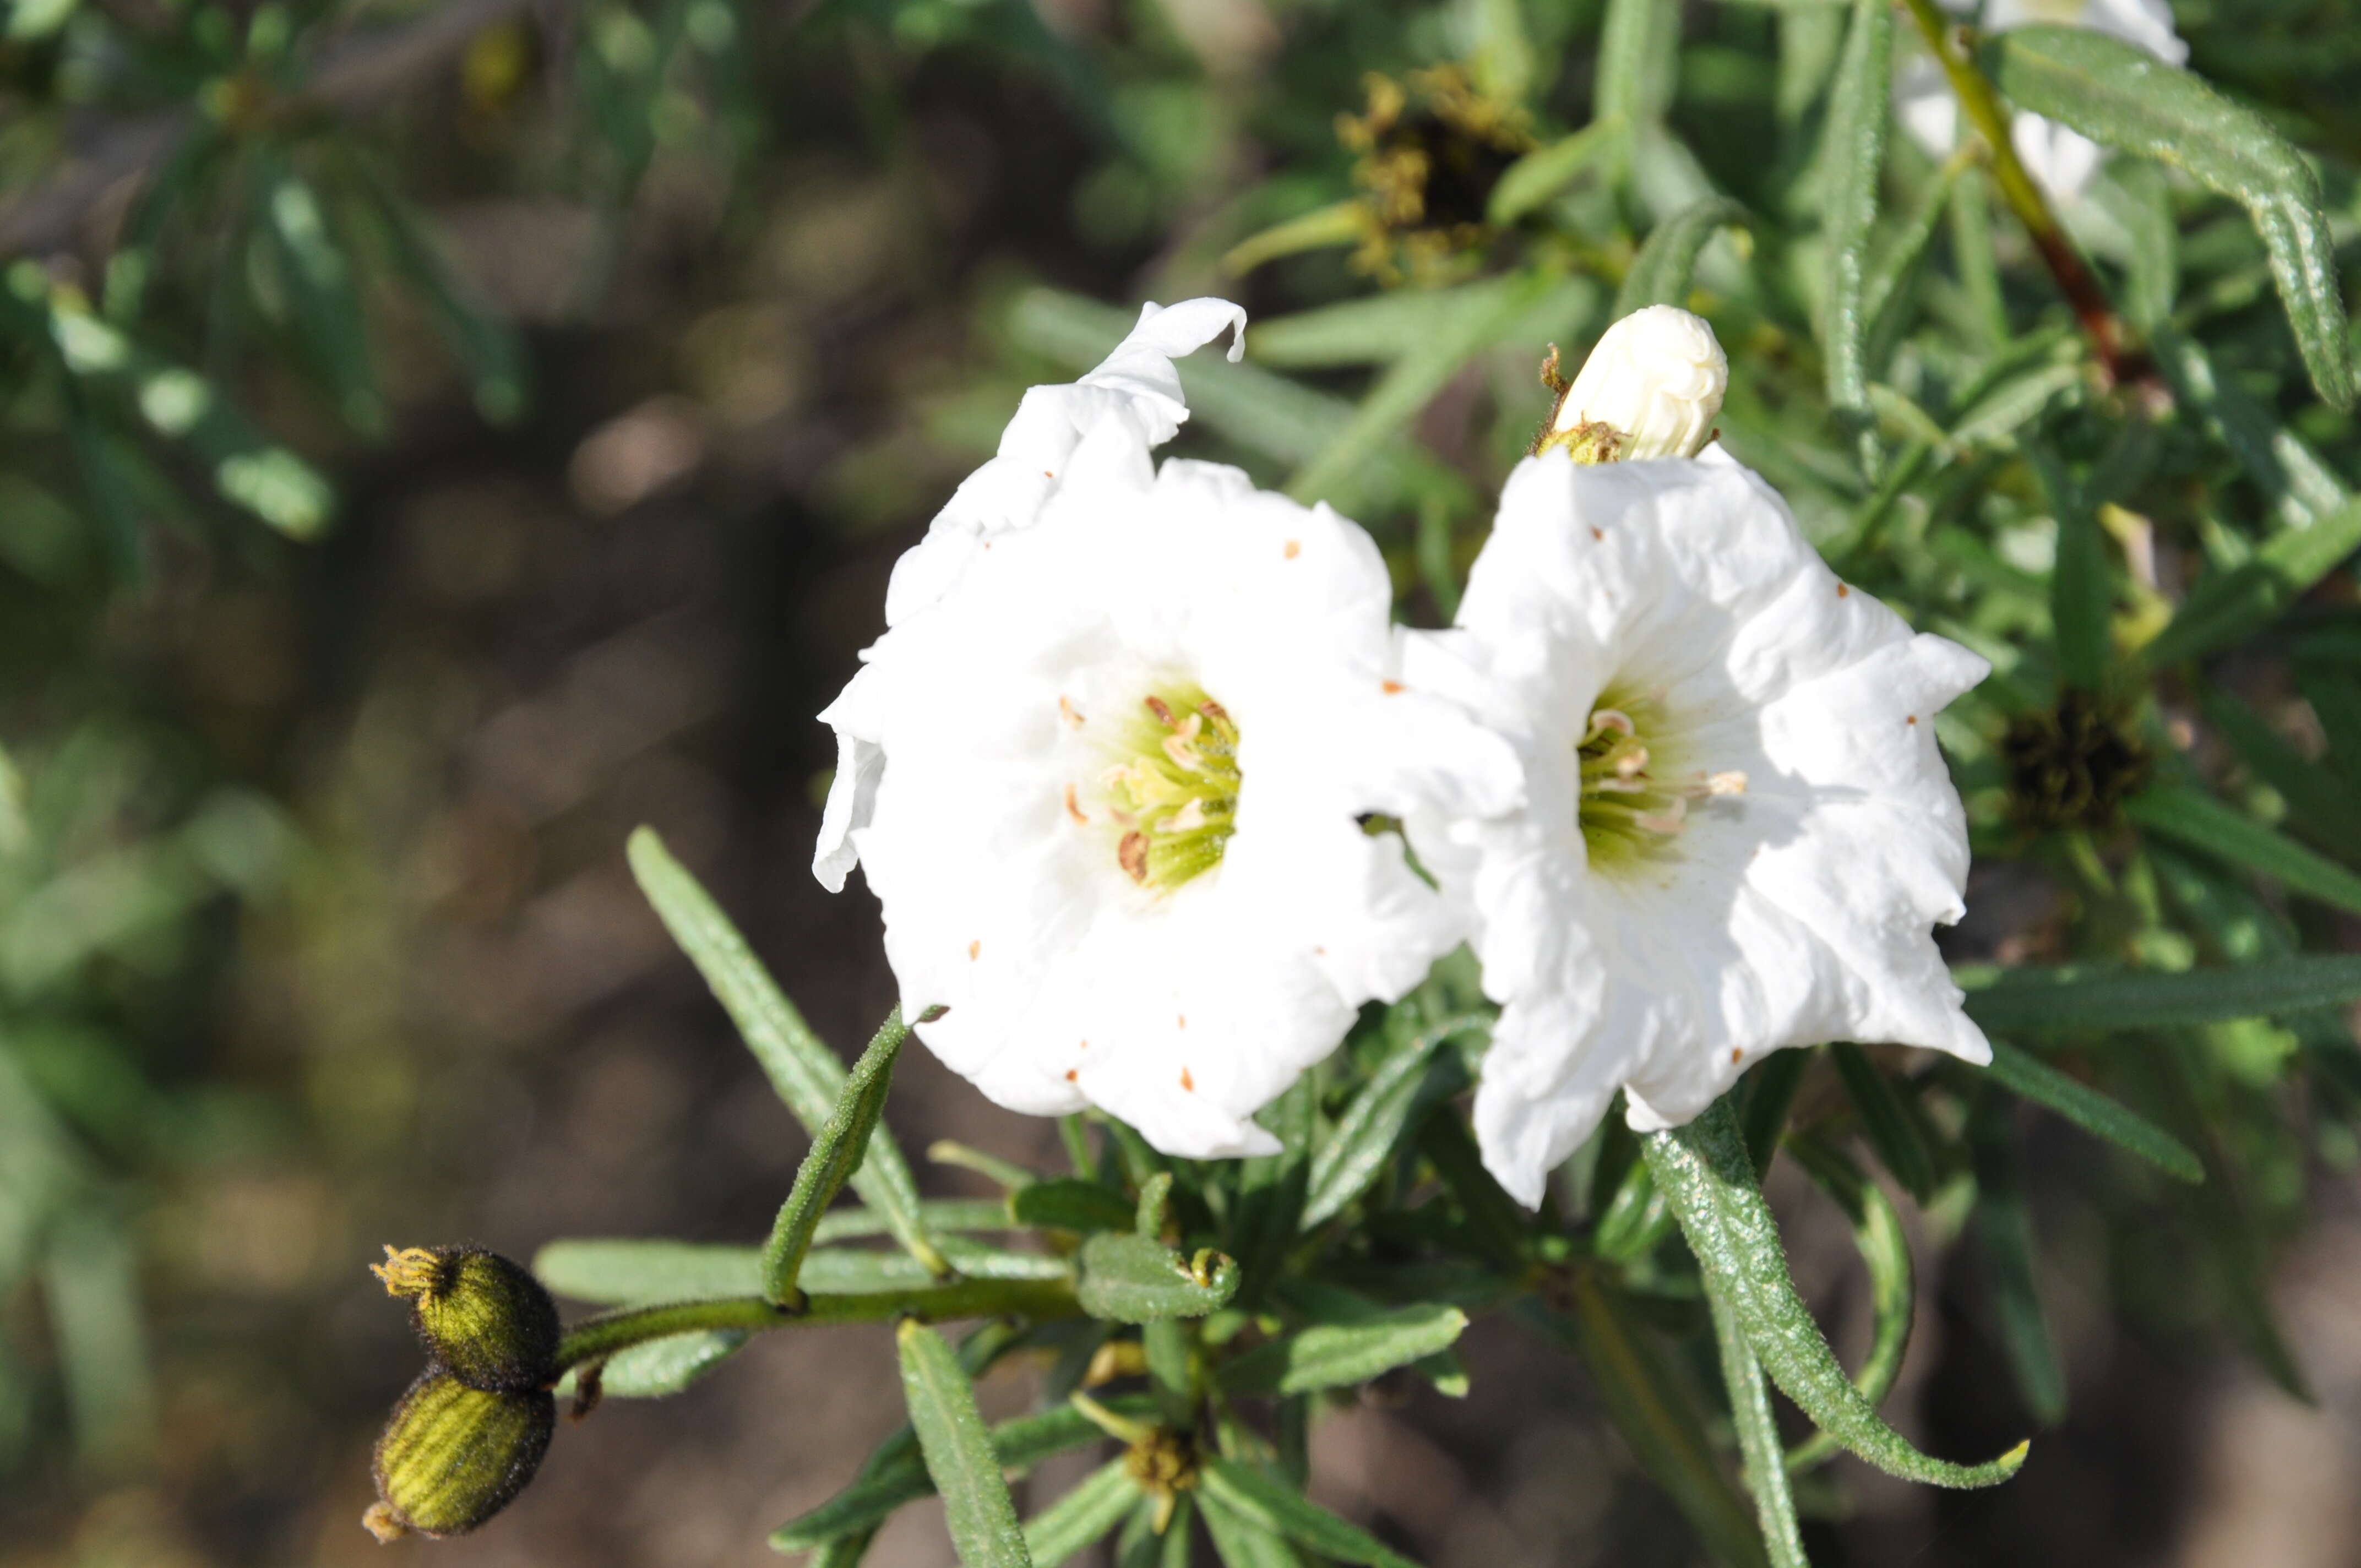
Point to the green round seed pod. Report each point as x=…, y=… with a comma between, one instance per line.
x=453, y=1456
x=488, y=1320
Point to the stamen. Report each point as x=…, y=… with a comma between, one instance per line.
x=1132, y=855
x=1067, y=709
x=1073, y=809
x=1732, y=783
x=1163, y=710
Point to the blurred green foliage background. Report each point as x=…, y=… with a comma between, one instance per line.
x=438, y=437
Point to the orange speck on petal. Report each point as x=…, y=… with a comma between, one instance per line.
x=1736, y=1054
x=1294, y=548
x=1184, y=1019
x=1842, y=591
x=1073, y=809
x=1596, y=534
x=1913, y=718
x=1188, y=1082
x=976, y=949
x=1389, y=688
x=1071, y=1075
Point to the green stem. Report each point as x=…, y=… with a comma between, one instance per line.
x=595, y=1339
x=1981, y=101
x=1758, y=1439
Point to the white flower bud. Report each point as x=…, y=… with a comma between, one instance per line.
x=1650, y=389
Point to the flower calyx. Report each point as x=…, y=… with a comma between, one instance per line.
x=485, y=1319
x=453, y=1456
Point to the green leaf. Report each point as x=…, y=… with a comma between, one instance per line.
x=1886, y=1123
x=664, y=1367
x=1653, y=1411
x=1268, y=1210
x=2336, y=700
x=1065, y=1204
x=483, y=341
x=635, y=1272
x=2032, y=1000
x=2226, y=606
x=1892, y=1291
x=835, y=1154
x=1337, y=1355
x=947, y=1215
x=805, y=1073
x=959, y=1452
x=1340, y=223
x=2301, y=486
x=1546, y=171
x=1246, y=1492
x=2226, y=834
x=2037, y=1081
x=1705, y=1170
x=1410, y=384
x=1770, y=1090
x=1638, y=43
x=1132, y=1278
x=2005, y=1229
x=1244, y=1541
x=1377, y=329
x=2120, y=95
x=893, y=1479
x=1069, y=1525
x=2079, y=599
x=1636, y=1218
x=1370, y=1130
x=1660, y=273
x=1854, y=155
x=319, y=279
x=1758, y=1439
x=2322, y=806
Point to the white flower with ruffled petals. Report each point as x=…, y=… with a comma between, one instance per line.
x=2062, y=161
x=1130, y=402
x=1117, y=828
x=1738, y=832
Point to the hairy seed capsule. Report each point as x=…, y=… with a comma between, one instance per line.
x=453, y=1456
x=486, y=1319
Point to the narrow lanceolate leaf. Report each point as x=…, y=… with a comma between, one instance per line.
x=2033, y=1000
x=664, y=1367
x=1243, y=1542
x=1705, y=1170
x=894, y=1478
x=2005, y=1229
x=1886, y=1123
x=1371, y=1127
x=1271, y=1191
x=1065, y=1204
x=1858, y=110
x=1654, y=1412
x=1660, y=273
x=959, y=1452
x=1136, y=1280
x=1544, y=172
x=2228, y=835
x=1758, y=1439
x=2079, y=596
x=2120, y=95
x=1335, y=1355
x=2322, y=805
x=2226, y=606
x=2301, y=486
x=805, y=1073
x=835, y=1154
x=1074, y=1521
x=633, y=1272
x=1892, y=1289
x=2037, y=1081
x=1248, y=1493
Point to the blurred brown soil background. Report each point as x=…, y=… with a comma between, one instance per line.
x=520, y=644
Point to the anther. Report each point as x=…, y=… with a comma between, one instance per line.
x=1157, y=705
x=1132, y=855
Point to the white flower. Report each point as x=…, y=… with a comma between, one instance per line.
x=2062, y=161
x=1738, y=830
x=1130, y=402
x=1116, y=827
x=1650, y=389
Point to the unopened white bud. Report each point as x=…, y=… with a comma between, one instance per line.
x=1650, y=389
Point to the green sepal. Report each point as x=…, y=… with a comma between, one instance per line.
x=453, y=1456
